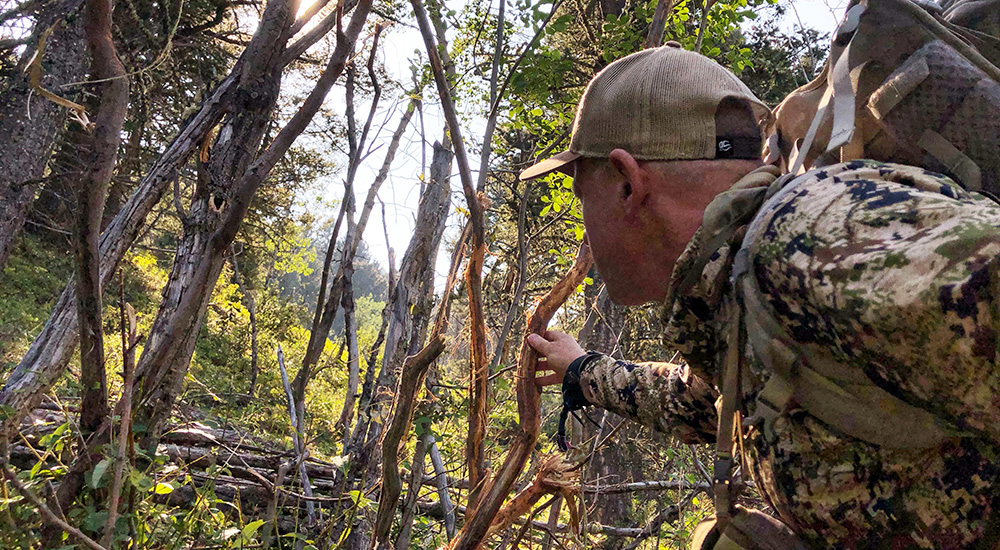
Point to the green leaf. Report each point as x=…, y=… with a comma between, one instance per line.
x=98, y=474
x=140, y=480
x=250, y=529
x=358, y=498
x=95, y=520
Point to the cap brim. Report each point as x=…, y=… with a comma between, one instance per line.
x=562, y=162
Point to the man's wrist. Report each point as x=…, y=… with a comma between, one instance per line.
x=572, y=390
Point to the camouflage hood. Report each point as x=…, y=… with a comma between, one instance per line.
x=701, y=277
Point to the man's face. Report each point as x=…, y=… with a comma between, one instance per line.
x=627, y=251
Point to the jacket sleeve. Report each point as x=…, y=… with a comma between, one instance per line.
x=663, y=396
x=894, y=270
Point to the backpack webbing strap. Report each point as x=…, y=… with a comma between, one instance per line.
x=838, y=96
x=885, y=99
x=722, y=481
x=957, y=162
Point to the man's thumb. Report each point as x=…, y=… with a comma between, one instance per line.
x=537, y=342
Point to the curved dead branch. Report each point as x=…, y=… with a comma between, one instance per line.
x=528, y=397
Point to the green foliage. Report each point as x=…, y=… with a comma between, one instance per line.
x=281, y=247
x=29, y=286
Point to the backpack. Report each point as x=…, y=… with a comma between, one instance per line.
x=905, y=82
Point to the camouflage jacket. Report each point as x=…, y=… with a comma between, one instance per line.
x=891, y=269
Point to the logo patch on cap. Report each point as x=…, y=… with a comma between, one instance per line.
x=723, y=148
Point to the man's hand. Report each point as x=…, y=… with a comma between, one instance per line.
x=559, y=350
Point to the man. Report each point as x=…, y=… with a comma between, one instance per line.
x=886, y=272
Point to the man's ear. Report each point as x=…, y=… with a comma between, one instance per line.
x=635, y=186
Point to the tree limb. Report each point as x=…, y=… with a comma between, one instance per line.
x=528, y=397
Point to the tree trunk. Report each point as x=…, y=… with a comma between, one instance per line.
x=219, y=207
x=49, y=354
x=326, y=312
x=30, y=123
x=199, y=260
x=441, y=480
x=419, y=258
x=99, y=164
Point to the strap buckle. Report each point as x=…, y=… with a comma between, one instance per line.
x=722, y=485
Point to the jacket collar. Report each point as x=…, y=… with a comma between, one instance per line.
x=693, y=312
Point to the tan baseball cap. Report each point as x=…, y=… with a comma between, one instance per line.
x=657, y=104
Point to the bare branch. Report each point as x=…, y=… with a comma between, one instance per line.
x=658, y=25
x=528, y=396
x=47, y=513
x=129, y=340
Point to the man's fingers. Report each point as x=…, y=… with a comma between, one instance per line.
x=548, y=380
x=540, y=344
x=542, y=364
x=554, y=335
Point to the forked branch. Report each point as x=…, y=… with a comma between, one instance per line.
x=528, y=398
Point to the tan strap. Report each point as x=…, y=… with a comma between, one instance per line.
x=957, y=162
x=883, y=100
x=838, y=96
x=722, y=481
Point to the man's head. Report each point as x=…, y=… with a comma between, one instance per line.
x=657, y=136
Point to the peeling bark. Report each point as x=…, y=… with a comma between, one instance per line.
x=528, y=397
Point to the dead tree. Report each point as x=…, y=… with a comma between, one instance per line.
x=220, y=204
x=49, y=354
x=418, y=260
x=479, y=380
x=404, y=403
x=30, y=123
x=297, y=439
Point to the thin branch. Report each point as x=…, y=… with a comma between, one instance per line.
x=670, y=513
x=659, y=23
x=641, y=486
x=522, y=279
x=702, y=25
x=528, y=397
x=299, y=444
x=520, y=58
x=47, y=513
x=129, y=339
